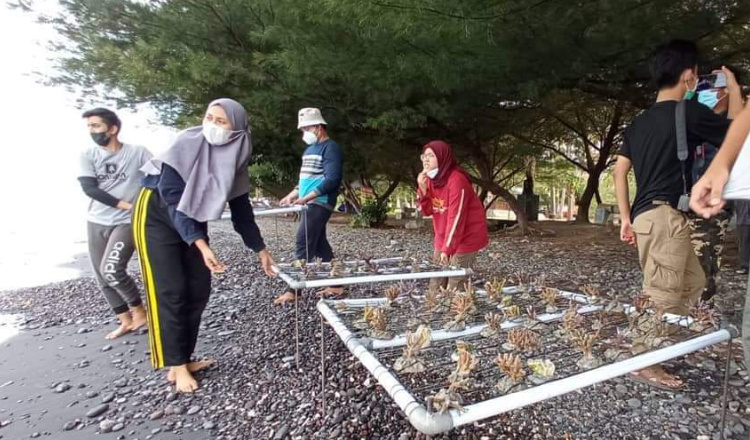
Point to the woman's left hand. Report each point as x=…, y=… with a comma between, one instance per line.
x=267, y=262
x=444, y=260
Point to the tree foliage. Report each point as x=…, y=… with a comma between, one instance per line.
x=495, y=79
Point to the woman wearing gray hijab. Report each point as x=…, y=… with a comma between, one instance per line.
x=184, y=188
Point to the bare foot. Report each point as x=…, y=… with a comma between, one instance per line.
x=192, y=367
x=184, y=381
x=125, y=322
x=139, y=317
x=122, y=330
x=659, y=377
x=286, y=297
x=336, y=292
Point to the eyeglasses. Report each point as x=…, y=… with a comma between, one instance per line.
x=427, y=156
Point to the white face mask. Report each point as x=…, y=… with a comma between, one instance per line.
x=432, y=173
x=214, y=134
x=309, y=137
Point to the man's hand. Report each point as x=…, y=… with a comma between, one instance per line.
x=286, y=200
x=444, y=260
x=422, y=181
x=626, y=233
x=732, y=83
x=303, y=200
x=125, y=206
x=705, y=197
x=266, y=261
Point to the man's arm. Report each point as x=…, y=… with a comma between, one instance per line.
x=332, y=172
x=706, y=195
x=622, y=168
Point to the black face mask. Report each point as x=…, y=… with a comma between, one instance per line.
x=101, y=138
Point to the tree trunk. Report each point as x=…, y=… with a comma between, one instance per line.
x=494, y=188
x=571, y=202
x=584, y=204
x=384, y=197
x=351, y=197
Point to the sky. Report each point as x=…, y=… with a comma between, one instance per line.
x=43, y=221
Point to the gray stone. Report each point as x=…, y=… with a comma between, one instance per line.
x=118, y=427
x=106, y=425
x=634, y=403
x=193, y=410
x=209, y=425
x=63, y=387
x=97, y=411
x=69, y=426
x=281, y=432
x=108, y=397
x=156, y=414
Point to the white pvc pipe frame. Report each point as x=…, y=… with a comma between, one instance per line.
x=345, y=281
x=435, y=423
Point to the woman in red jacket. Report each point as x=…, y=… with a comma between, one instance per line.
x=458, y=217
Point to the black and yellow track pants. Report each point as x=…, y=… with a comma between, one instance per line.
x=176, y=281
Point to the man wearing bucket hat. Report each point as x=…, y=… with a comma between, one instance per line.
x=318, y=188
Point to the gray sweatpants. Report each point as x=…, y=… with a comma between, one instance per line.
x=110, y=249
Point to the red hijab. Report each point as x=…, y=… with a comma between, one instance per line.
x=446, y=162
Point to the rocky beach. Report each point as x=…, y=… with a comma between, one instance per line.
x=60, y=379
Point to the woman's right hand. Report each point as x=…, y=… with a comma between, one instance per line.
x=422, y=181
x=209, y=258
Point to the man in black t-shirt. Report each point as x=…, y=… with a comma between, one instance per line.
x=672, y=275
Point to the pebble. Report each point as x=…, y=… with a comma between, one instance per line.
x=281, y=432
x=63, y=387
x=209, y=425
x=156, y=415
x=97, y=411
x=193, y=410
x=106, y=425
x=634, y=403
x=118, y=427
x=107, y=348
x=68, y=426
x=91, y=394
x=108, y=397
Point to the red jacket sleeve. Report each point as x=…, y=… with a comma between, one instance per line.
x=425, y=202
x=458, y=194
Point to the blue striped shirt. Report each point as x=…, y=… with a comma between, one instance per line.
x=322, y=165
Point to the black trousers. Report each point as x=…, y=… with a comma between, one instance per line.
x=176, y=280
x=743, y=231
x=313, y=240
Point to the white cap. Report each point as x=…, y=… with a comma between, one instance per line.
x=309, y=116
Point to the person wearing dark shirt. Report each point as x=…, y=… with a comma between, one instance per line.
x=319, y=182
x=184, y=188
x=672, y=275
x=708, y=235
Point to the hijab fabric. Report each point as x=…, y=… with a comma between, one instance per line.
x=446, y=162
x=213, y=174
